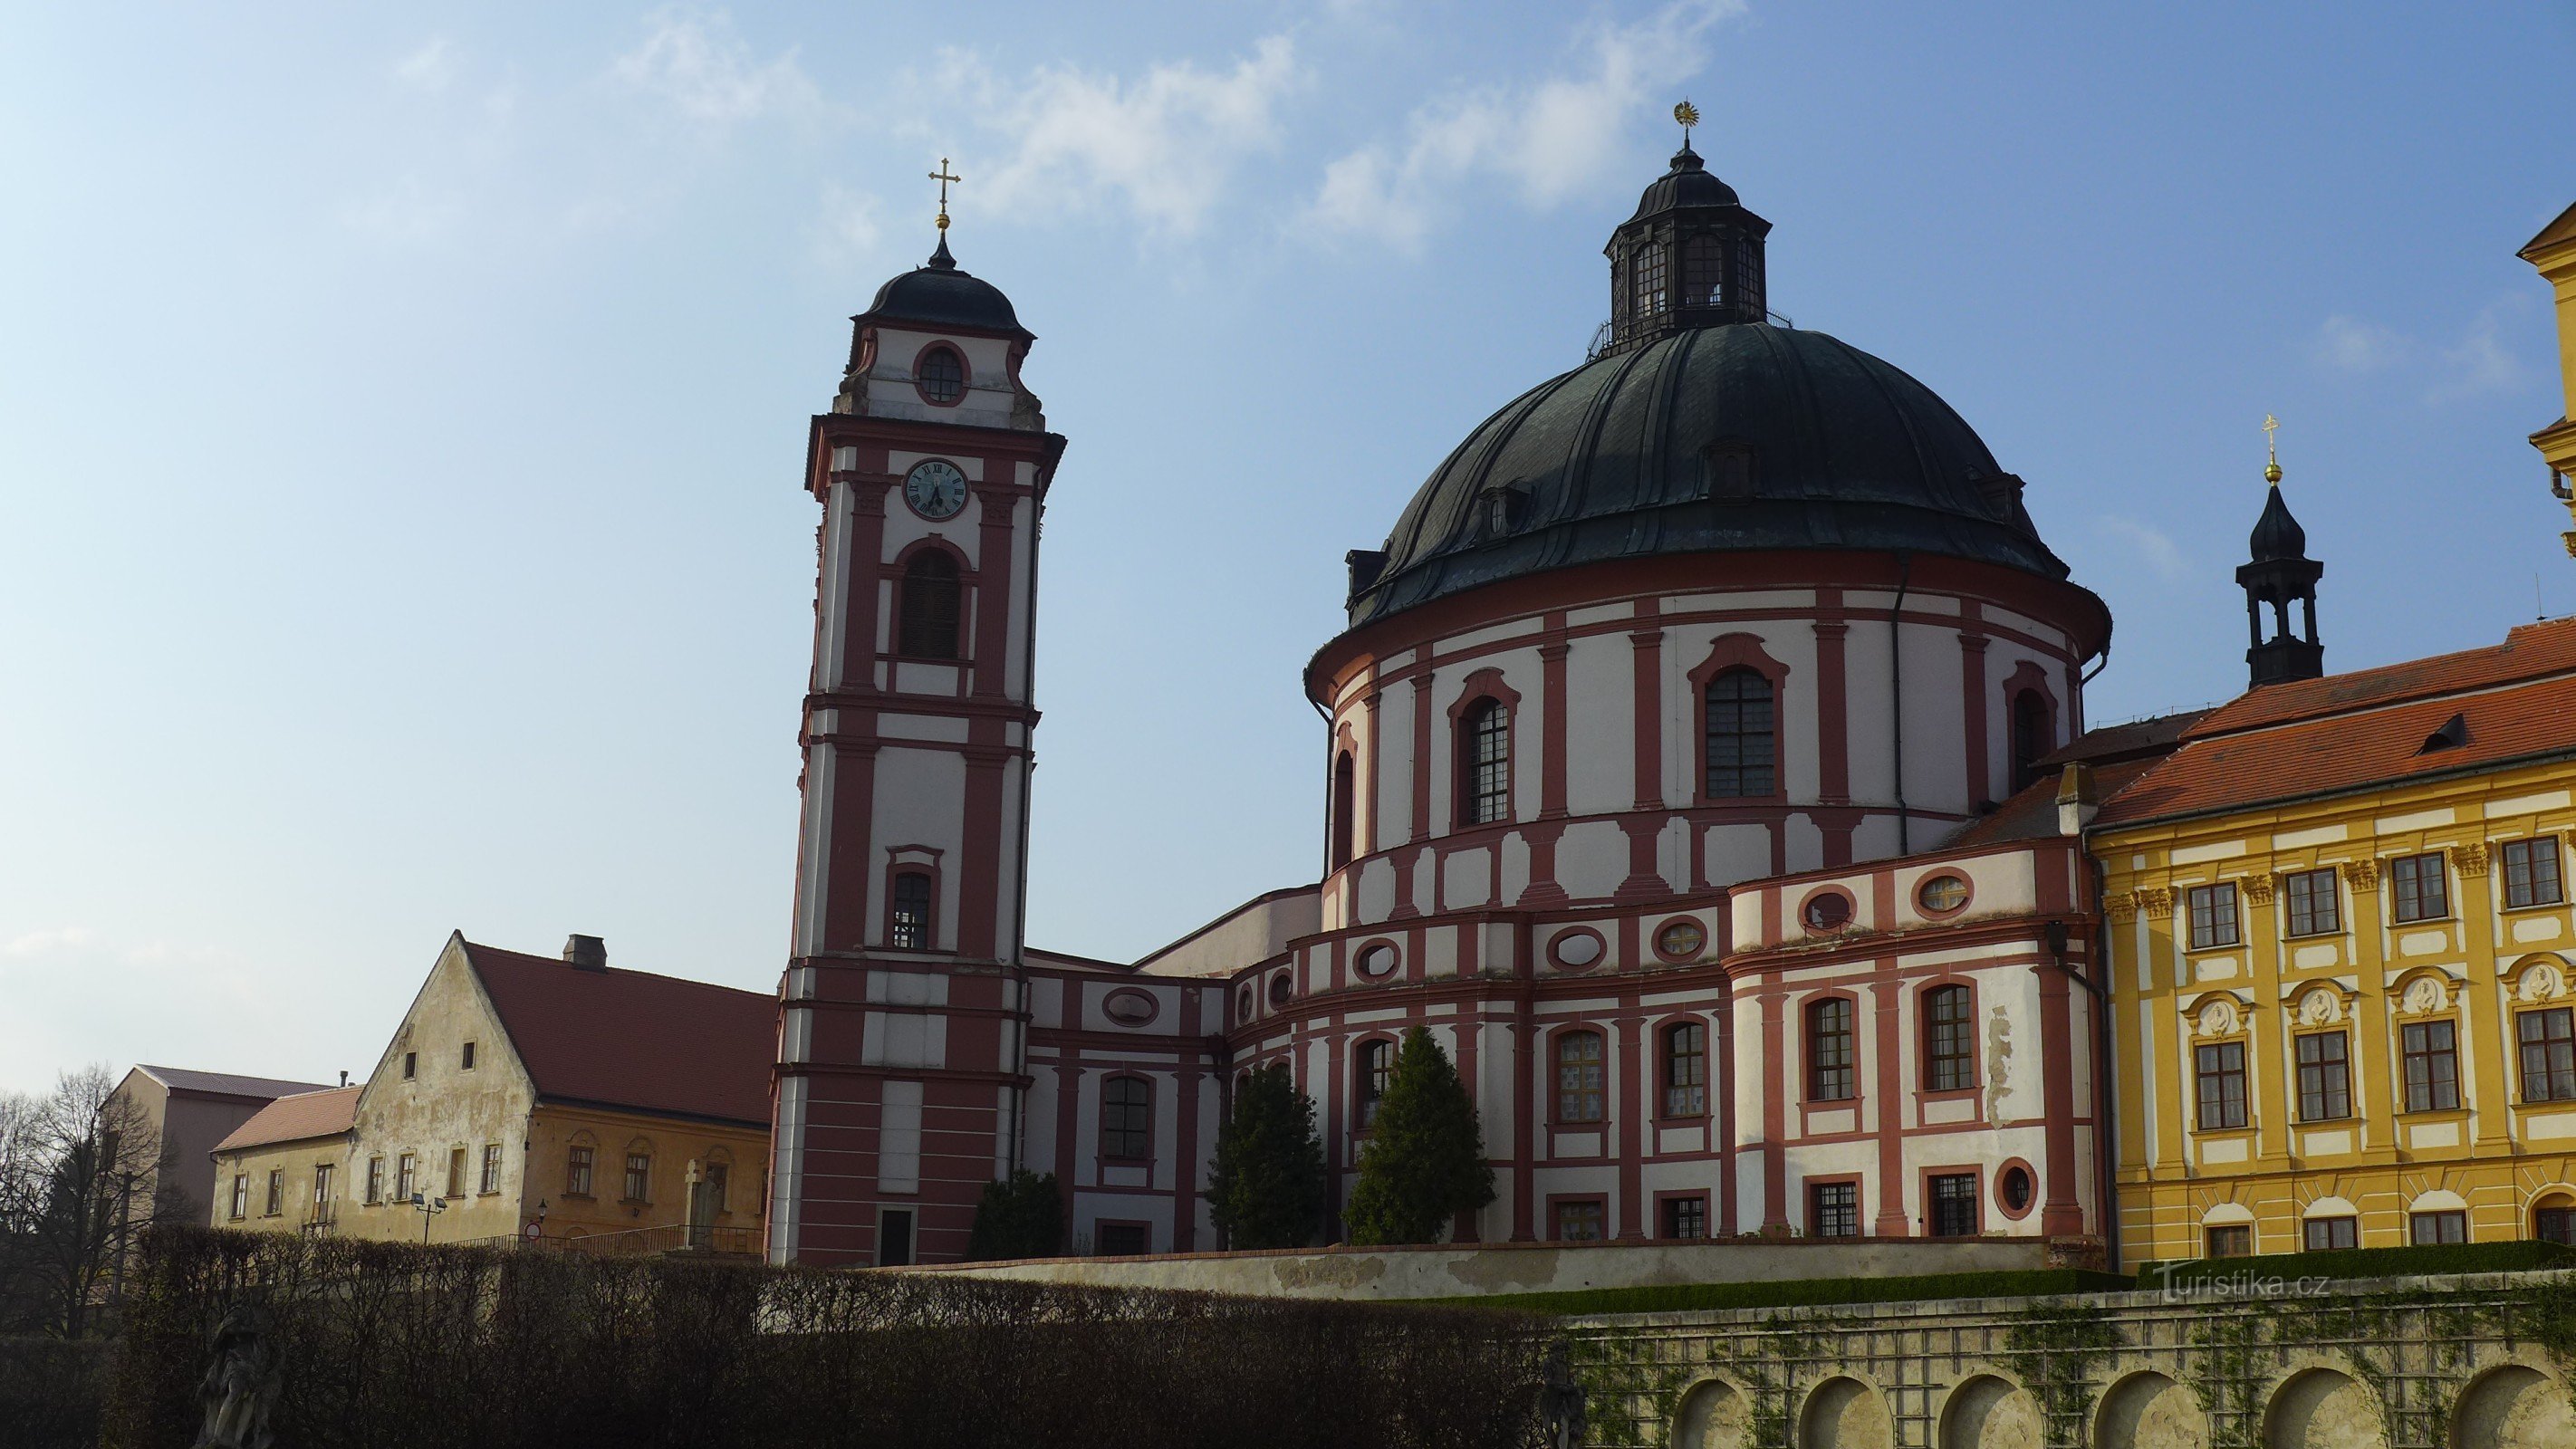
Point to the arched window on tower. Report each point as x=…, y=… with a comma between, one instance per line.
x=927, y=612
x=1485, y=764
x=1345, y=807
x=1703, y=271
x=2034, y=735
x=1743, y=733
x=1649, y=270
x=908, y=917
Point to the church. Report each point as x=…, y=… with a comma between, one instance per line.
x=1696, y=740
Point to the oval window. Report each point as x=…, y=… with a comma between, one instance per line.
x=1243, y=1004
x=1942, y=894
x=1827, y=911
x=1131, y=1007
x=1575, y=950
x=1280, y=986
x=2016, y=1186
x=1680, y=939
x=1377, y=959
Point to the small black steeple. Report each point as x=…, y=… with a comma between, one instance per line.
x=2280, y=574
x=1690, y=257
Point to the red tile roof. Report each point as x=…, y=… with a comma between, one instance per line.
x=325, y=1113
x=2355, y=731
x=634, y=1040
x=2031, y=814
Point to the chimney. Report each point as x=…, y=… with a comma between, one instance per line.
x=344, y=1077
x=2076, y=801
x=586, y=953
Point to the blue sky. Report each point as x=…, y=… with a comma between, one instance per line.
x=402, y=408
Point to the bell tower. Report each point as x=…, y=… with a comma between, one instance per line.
x=2280, y=575
x=900, y=1078
x=1691, y=255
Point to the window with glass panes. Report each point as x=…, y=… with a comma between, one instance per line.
x=1485, y=764
x=1649, y=271
x=2325, y=1234
x=928, y=610
x=1831, y=1075
x=2418, y=889
x=1950, y=1051
x=1126, y=1118
x=2221, y=1071
x=2213, y=916
x=1578, y=1076
x=1954, y=1205
x=1376, y=1059
x=491, y=1181
x=406, y=1177
x=1742, y=737
x=2315, y=909
x=2325, y=1077
x=2548, y=1040
x=2437, y=1227
x=942, y=376
x=1703, y=267
x=1686, y=1217
x=2555, y=1223
x=2230, y=1240
x=2531, y=875
x=639, y=1176
x=1686, y=1070
x=375, y=1179
x=276, y=1192
x=2432, y=1056
x=911, y=911
x=322, y=1174
x=1579, y=1222
x=1833, y=1210
x=577, y=1173
x=241, y=1195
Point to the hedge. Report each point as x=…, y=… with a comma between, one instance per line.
x=2521, y=1256
x=50, y=1391
x=405, y=1347
x=1800, y=1292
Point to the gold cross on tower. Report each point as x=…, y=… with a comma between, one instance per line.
x=943, y=178
x=2272, y=453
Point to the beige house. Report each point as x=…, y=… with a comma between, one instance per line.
x=526, y=1097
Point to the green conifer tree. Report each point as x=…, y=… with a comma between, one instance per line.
x=1020, y=1218
x=1266, y=1189
x=1425, y=1159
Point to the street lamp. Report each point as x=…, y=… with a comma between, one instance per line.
x=428, y=1207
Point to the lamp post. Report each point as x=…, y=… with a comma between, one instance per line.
x=428, y=1207
x=537, y=1229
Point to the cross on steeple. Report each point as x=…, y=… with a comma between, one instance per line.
x=943, y=178
x=2271, y=450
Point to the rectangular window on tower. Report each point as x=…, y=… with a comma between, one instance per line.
x=911, y=912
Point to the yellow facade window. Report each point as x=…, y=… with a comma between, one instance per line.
x=2222, y=1085
x=2548, y=1039
x=2213, y=916
x=2315, y=908
x=2419, y=888
x=2431, y=1050
x=2325, y=1077
x=2531, y=875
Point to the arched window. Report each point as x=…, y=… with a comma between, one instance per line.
x=1578, y=1076
x=928, y=609
x=1742, y=737
x=1703, y=267
x=2033, y=735
x=1650, y=277
x=909, y=927
x=1127, y=1118
x=1831, y=1073
x=1949, y=1048
x=1485, y=764
x=1686, y=1070
x=1376, y=1064
x=941, y=376
x=1345, y=799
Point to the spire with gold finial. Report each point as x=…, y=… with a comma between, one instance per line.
x=1688, y=115
x=940, y=259
x=2272, y=451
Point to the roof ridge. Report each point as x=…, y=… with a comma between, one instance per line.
x=2214, y=725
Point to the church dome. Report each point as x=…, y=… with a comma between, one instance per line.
x=940, y=297
x=1710, y=439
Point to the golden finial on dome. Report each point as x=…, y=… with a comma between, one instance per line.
x=1688, y=115
x=943, y=178
x=2272, y=460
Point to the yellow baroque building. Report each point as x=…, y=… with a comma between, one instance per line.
x=2341, y=951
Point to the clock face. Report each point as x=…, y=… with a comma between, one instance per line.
x=935, y=489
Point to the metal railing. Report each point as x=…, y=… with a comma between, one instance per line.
x=1606, y=338
x=697, y=1239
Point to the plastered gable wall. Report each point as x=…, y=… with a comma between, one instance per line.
x=443, y=1108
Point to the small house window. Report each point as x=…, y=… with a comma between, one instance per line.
x=577, y=1171
x=929, y=606
x=491, y=1167
x=467, y=1057
x=375, y=1180
x=942, y=375
x=322, y=1172
x=406, y=1177
x=411, y=1065
x=911, y=911
x=276, y=1192
x=456, y=1172
x=639, y=1176
x=241, y=1196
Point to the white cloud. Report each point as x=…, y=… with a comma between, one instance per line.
x=431, y=68
x=848, y=225
x=1549, y=139
x=2480, y=362
x=2348, y=344
x=1166, y=144
x=406, y=209
x=708, y=73
x=2152, y=545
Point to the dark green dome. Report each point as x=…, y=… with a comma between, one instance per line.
x=1711, y=440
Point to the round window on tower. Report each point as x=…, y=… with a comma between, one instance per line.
x=1681, y=939
x=1377, y=959
x=1942, y=894
x=1826, y=910
x=940, y=375
x=1280, y=987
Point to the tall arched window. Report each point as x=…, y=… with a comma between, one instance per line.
x=1649, y=271
x=1485, y=764
x=1578, y=1076
x=1949, y=1047
x=928, y=608
x=2033, y=735
x=1376, y=1064
x=1686, y=1070
x=909, y=919
x=1127, y=1118
x=1832, y=1073
x=1703, y=268
x=1742, y=737
x=1345, y=802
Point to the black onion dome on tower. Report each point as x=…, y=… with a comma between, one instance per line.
x=1705, y=425
x=939, y=296
x=2276, y=534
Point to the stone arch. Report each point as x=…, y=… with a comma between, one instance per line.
x=2323, y=1408
x=1844, y=1413
x=2513, y=1407
x=1988, y=1412
x=2150, y=1411
x=1715, y=1414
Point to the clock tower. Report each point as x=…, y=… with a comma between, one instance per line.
x=902, y=1076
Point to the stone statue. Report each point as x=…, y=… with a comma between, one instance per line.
x=240, y=1386
x=1560, y=1401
